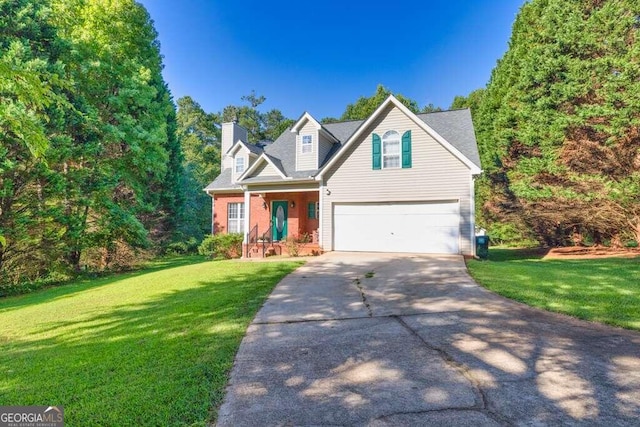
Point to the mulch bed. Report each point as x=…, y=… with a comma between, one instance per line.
x=591, y=252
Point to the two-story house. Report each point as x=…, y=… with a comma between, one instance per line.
x=395, y=182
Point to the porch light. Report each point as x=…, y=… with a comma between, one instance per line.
x=293, y=204
x=328, y=192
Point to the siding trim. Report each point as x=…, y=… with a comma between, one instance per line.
x=254, y=166
x=472, y=214
x=305, y=117
x=320, y=214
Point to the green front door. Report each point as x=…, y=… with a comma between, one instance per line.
x=279, y=220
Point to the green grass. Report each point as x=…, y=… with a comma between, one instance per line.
x=605, y=290
x=152, y=347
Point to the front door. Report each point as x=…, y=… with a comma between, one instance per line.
x=279, y=220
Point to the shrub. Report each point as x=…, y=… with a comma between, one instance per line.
x=225, y=246
x=508, y=234
x=119, y=257
x=52, y=279
x=187, y=247
x=295, y=243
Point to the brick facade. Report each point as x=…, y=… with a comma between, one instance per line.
x=260, y=211
x=221, y=209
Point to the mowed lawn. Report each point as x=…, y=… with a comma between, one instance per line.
x=148, y=348
x=604, y=290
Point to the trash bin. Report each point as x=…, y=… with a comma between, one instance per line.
x=482, y=247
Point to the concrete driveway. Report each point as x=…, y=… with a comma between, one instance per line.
x=377, y=339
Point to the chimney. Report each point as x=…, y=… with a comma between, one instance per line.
x=231, y=133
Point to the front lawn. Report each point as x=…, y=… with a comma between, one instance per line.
x=604, y=290
x=147, y=348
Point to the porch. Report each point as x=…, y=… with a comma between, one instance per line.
x=281, y=223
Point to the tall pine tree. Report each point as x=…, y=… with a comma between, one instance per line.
x=559, y=124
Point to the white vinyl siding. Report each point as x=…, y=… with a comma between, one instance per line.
x=235, y=218
x=436, y=175
x=324, y=146
x=265, y=170
x=307, y=161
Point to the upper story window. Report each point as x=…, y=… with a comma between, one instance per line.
x=307, y=144
x=391, y=150
x=239, y=165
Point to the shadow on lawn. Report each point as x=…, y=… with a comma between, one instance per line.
x=161, y=362
x=66, y=289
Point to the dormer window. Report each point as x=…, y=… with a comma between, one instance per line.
x=307, y=144
x=239, y=165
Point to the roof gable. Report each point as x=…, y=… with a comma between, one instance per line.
x=251, y=149
x=392, y=100
x=306, y=117
x=273, y=162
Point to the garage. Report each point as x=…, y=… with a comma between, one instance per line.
x=397, y=227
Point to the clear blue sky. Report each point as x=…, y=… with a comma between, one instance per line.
x=320, y=56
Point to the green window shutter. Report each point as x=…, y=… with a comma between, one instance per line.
x=406, y=150
x=377, y=152
x=311, y=210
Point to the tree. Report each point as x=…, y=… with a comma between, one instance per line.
x=430, y=108
x=199, y=136
x=118, y=148
x=473, y=101
x=365, y=106
x=31, y=95
x=558, y=125
x=260, y=126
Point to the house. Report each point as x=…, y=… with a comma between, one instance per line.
x=395, y=182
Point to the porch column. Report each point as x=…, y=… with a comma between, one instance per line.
x=247, y=216
x=320, y=210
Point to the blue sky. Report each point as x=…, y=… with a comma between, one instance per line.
x=320, y=56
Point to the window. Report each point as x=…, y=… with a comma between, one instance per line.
x=313, y=210
x=235, y=218
x=388, y=150
x=239, y=165
x=391, y=150
x=307, y=143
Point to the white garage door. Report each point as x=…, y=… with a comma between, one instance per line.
x=397, y=227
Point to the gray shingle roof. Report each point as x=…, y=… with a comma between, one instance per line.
x=455, y=126
x=255, y=149
x=223, y=182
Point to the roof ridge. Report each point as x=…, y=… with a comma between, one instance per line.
x=451, y=110
x=342, y=121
